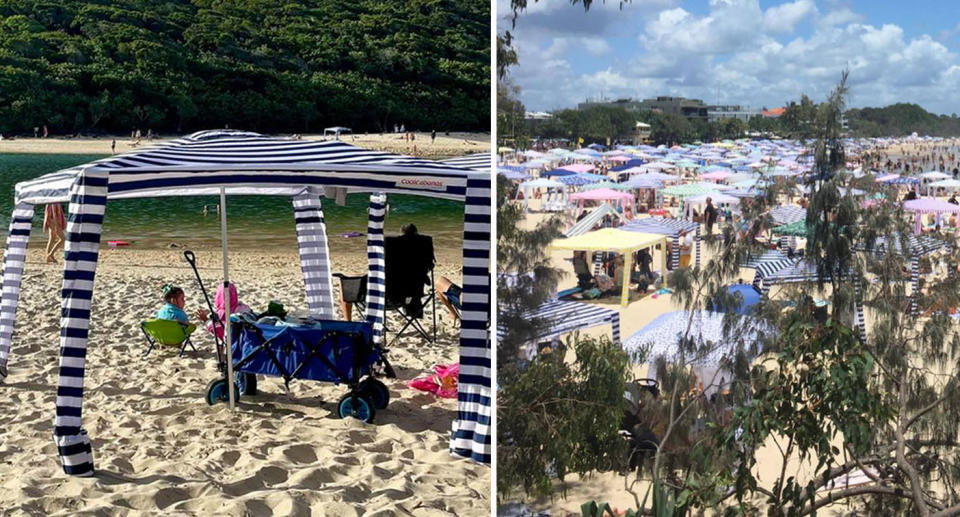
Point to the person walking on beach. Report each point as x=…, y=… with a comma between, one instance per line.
x=54, y=223
x=433, y=136
x=45, y=132
x=113, y=146
x=710, y=214
x=36, y=131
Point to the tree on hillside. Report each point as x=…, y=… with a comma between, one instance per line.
x=88, y=66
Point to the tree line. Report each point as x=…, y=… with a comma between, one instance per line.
x=87, y=66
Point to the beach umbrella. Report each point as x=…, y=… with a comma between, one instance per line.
x=950, y=184
x=691, y=189
x=642, y=181
x=581, y=179
x=750, y=296
x=609, y=185
x=935, y=175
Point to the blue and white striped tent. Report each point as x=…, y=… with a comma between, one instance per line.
x=249, y=163
x=669, y=227
x=590, y=220
x=564, y=317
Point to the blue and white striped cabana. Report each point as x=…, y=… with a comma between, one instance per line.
x=249, y=163
x=671, y=228
x=564, y=317
x=590, y=220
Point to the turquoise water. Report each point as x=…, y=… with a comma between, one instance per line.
x=253, y=221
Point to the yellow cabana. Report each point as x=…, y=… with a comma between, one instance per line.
x=619, y=241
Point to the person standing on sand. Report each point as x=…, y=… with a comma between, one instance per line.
x=54, y=223
x=433, y=136
x=45, y=132
x=36, y=131
x=113, y=146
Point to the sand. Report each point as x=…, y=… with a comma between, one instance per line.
x=445, y=146
x=160, y=449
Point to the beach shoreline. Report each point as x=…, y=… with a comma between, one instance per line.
x=445, y=146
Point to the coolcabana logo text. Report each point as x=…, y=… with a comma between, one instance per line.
x=426, y=183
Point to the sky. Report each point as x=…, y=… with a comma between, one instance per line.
x=757, y=53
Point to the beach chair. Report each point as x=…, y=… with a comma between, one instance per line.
x=409, y=262
x=167, y=332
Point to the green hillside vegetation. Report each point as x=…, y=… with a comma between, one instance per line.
x=293, y=66
x=900, y=120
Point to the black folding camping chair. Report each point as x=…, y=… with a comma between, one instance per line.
x=409, y=266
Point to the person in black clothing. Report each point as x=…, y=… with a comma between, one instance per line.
x=710, y=214
x=911, y=195
x=953, y=199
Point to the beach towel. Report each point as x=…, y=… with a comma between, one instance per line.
x=443, y=382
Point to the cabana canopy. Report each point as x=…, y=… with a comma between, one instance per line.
x=786, y=214
x=928, y=205
x=664, y=335
x=564, y=317
x=237, y=162
x=669, y=227
x=590, y=220
x=613, y=239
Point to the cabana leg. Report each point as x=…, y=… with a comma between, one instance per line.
x=376, y=279
x=858, y=301
x=14, y=260
x=314, y=253
x=471, y=436
x=88, y=199
x=698, y=246
x=615, y=323
x=915, y=281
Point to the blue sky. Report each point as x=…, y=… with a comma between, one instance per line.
x=752, y=52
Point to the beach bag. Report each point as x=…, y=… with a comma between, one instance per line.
x=443, y=382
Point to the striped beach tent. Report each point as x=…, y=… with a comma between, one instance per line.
x=671, y=228
x=564, y=317
x=590, y=220
x=230, y=162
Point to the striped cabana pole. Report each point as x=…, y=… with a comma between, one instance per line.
x=597, y=262
x=915, y=281
x=615, y=323
x=471, y=435
x=314, y=253
x=14, y=260
x=698, y=246
x=675, y=253
x=858, y=307
x=376, y=279
x=88, y=199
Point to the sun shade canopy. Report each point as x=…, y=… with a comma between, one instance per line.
x=250, y=163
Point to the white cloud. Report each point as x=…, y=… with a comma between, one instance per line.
x=734, y=53
x=841, y=16
x=782, y=19
x=730, y=24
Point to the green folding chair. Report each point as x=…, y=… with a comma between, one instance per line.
x=167, y=332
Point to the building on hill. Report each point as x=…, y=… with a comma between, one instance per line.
x=690, y=108
x=642, y=133
x=743, y=113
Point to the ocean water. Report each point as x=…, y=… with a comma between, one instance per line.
x=253, y=221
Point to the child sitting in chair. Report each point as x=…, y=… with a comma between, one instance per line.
x=173, y=309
